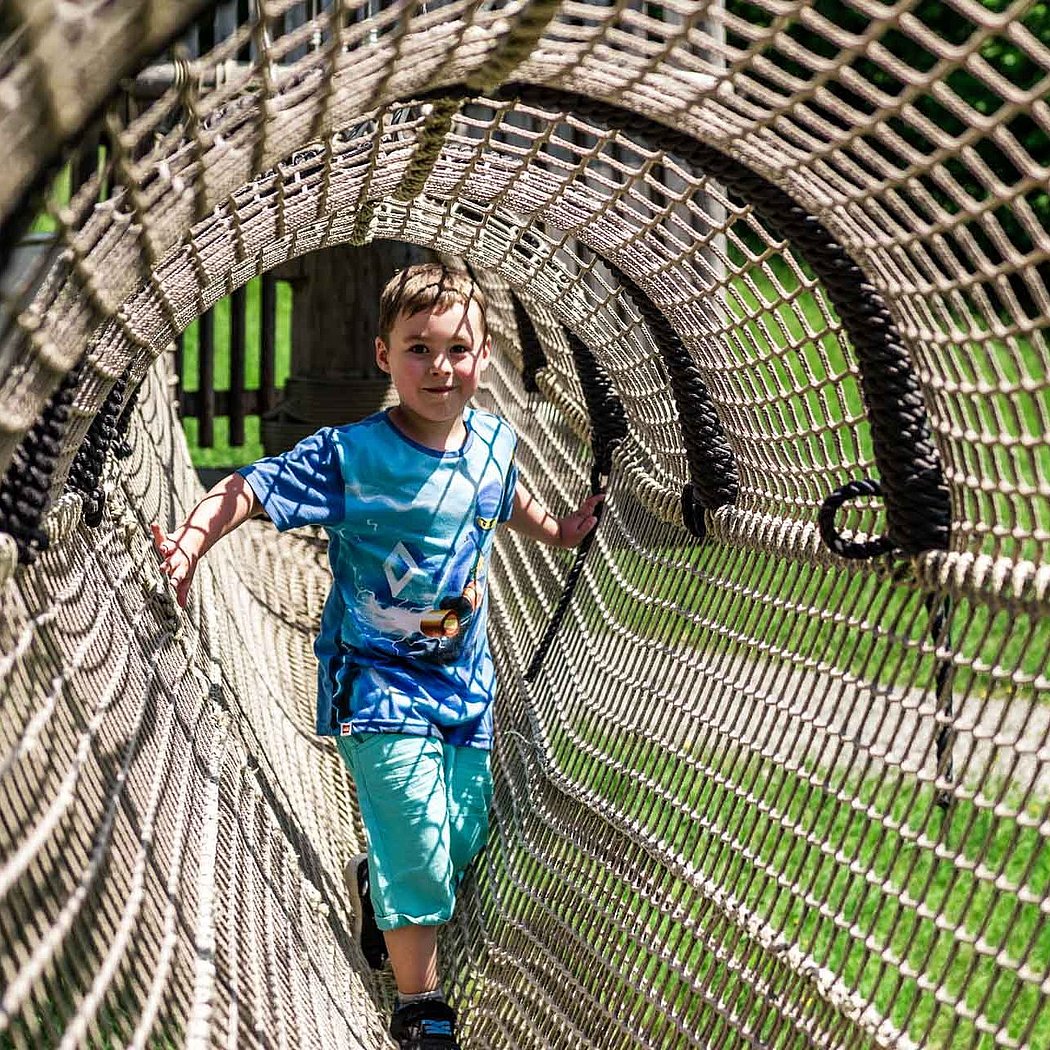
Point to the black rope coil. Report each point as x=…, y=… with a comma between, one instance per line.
x=25, y=492
x=532, y=355
x=608, y=429
x=829, y=532
x=85, y=475
x=918, y=508
x=713, y=480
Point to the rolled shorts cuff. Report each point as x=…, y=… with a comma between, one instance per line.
x=399, y=920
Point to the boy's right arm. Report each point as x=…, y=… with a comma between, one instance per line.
x=230, y=503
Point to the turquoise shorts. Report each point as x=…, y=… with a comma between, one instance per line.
x=425, y=807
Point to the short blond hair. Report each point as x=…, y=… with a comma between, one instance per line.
x=427, y=286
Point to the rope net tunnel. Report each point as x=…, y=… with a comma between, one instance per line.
x=776, y=772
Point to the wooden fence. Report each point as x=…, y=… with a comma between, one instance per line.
x=238, y=401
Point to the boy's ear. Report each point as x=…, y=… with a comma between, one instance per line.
x=382, y=355
x=486, y=350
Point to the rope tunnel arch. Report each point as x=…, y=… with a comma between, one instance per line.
x=152, y=319
x=763, y=693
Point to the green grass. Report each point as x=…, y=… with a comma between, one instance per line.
x=889, y=866
x=58, y=196
x=43, y=1024
x=718, y=601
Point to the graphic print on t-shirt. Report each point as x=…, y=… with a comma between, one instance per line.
x=437, y=630
x=399, y=567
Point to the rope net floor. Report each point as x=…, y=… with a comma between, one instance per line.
x=780, y=778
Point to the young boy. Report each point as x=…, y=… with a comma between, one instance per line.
x=410, y=499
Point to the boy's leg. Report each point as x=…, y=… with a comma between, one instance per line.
x=468, y=779
x=414, y=958
x=400, y=783
x=404, y=805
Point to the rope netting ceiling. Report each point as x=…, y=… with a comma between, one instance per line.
x=781, y=776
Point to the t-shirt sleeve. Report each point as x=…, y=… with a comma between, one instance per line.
x=303, y=486
x=509, y=485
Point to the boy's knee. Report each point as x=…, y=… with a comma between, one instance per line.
x=470, y=797
x=466, y=843
x=417, y=893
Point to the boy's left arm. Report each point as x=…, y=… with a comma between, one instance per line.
x=532, y=519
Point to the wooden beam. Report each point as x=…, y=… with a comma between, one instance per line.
x=238, y=355
x=206, y=379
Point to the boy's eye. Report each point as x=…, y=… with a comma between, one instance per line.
x=418, y=348
x=459, y=348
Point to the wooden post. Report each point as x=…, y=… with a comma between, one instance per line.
x=238, y=358
x=206, y=379
x=268, y=344
x=84, y=164
x=180, y=342
x=335, y=319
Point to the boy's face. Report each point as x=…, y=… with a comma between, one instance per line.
x=436, y=360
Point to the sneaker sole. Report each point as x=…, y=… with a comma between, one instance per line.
x=357, y=910
x=356, y=904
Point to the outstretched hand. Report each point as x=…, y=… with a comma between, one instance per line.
x=179, y=553
x=574, y=527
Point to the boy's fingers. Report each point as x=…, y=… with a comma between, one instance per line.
x=160, y=541
x=584, y=525
x=175, y=570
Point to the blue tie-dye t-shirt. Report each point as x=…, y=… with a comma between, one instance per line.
x=402, y=646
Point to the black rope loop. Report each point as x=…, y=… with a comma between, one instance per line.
x=829, y=530
x=693, y=512
x=608, y=421
x=85, y=475
x=25, y=492
x=918, y=509
x=608, y=429
x=122, y=447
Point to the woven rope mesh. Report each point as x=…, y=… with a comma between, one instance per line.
x=757, y=794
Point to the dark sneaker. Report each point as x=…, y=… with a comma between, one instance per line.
x=428, y=1025
x=367, y=934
